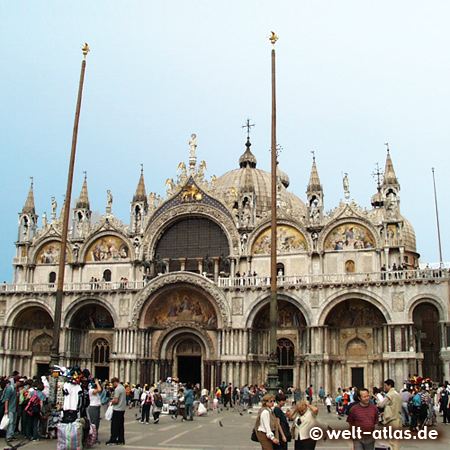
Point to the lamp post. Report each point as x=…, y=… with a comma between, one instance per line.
x=54, y=354
x=272, y=377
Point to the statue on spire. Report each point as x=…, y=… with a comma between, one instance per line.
x=193, y=145
x=346, y=186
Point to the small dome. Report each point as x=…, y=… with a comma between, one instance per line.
x=377, y=200
x=283, y=177
x=409, y=236
x=248, y=158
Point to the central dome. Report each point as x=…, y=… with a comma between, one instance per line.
x=249, y=179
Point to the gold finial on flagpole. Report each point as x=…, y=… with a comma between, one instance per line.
x=85, y=49
x=273, y=38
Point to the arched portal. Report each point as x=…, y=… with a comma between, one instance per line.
x=355, y=329
x=181, y=323
x=292, y=341
x=426, y=321
x=33, y=328
x=90, y=333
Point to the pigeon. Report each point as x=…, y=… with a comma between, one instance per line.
x=220, y=423
x=241, y=414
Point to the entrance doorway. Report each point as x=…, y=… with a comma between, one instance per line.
x=101, y=372
x=358, y=377
x=190, y=369
x=286, y=377
x=42, y=369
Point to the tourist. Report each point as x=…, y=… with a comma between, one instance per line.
x=189, y=402
x=282, y=423
x=392, y=416
x=117, y=422
x=266, y=424
x=146, y=404
x=95, y=404
x=364, y=415
x=305, y=418
x=157, y=405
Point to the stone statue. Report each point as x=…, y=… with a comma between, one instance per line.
x=44, y=220
x=109, y=201
x=346, y=187
x=54, y=205
x=193, y=145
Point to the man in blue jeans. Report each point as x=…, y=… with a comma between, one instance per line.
x=189, y=402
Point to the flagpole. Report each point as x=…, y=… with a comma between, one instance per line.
x=437, y=221
x=55, y=355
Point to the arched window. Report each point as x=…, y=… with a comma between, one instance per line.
x=107, y=275
x=280, y=269
x=100, y=352
x=52, y=277
x=285, y=352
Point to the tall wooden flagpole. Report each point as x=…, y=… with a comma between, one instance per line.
x=272, y=377
x=441, y=262
x=54, y=357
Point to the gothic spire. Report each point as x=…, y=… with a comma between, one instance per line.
x=314, y=181
x=389, y=173
x=83, y=201
x=140, y=195
x=29, y=204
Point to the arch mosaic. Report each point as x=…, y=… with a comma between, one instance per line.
x=182, y=303
x=357, y=294
x=111, y=245
x=165, y=220
x=290, y=304
x=87, y=301
x=49, y=253
x=172, y=279
x=354, y=312
x=176, y=330
x=289, y=240
x=23, y=305
x=349, y=236
x=108, y=249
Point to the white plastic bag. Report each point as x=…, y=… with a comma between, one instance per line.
x=201, y=409
x=5, y=422
x=109, y=412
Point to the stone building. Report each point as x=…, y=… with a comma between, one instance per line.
x=182, y=290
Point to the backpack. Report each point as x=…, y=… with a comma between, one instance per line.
x=158, y=401
x=417, y=400
x=33, y=407
x=148, y=399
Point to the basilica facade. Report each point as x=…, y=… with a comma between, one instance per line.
x=182, y=289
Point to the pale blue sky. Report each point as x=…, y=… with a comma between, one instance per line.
x=352, y=75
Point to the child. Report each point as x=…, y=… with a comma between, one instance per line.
x=328, y=402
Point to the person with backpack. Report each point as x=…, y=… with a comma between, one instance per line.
x=34, y=410
x=146, y=405
x=157, y=405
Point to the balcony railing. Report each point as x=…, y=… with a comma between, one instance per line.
x=403, y=276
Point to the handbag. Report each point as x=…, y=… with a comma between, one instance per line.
x=109, y=412
x=5, y=422
x=254, y=436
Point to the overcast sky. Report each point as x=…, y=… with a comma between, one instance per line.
x=351, y=75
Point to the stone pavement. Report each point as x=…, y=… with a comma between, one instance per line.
x=227, y=430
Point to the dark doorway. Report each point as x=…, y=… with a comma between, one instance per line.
x=189, y=369
x=358, y=377
x=101, y=372
x=42, y=369
x=286, y=377
x=426, y=320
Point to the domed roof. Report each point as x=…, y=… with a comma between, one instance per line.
x=409, y=236
x=250, y=179
x=283, y=177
